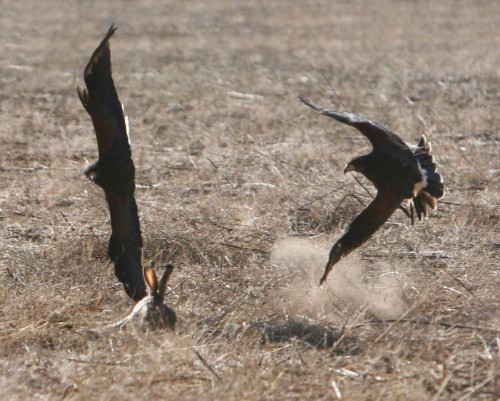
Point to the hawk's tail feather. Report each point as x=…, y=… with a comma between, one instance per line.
x=434, y=189
x=426, y=161
x=423, y=145
x=428, y=195
x=434, y=185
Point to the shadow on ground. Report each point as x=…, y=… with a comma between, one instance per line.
x=313, y=335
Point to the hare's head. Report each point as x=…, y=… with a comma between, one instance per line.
x=156, y=314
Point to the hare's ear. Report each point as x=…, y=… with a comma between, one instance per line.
x=164, y=279
x=151, y=280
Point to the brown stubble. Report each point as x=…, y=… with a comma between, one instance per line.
x=224, y=181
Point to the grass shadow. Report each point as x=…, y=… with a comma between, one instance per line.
x=314, y=335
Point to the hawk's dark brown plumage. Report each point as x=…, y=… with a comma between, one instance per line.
x=398, y=172
x=114, y=171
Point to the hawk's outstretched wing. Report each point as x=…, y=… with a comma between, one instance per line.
x=363, y=226
x=125, y=243
x=114, y=171
x=101, y=100
x=376, y=134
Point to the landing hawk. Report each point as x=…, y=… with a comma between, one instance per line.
x=398, y=172
x=114, y=172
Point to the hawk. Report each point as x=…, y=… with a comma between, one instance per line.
x=114, y=171
x=398, y=172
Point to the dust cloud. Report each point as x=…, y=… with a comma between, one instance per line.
x=352, y=285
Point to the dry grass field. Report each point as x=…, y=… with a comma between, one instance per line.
x=241, y=187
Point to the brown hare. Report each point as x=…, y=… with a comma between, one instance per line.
x=150, y=312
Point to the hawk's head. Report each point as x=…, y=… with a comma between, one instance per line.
x=357, y=164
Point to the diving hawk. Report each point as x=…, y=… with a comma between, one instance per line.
x=398, y=172
x=114, y=171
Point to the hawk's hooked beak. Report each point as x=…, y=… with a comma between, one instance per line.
x=349, y=167
x=91, y=175
x=92, y=172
